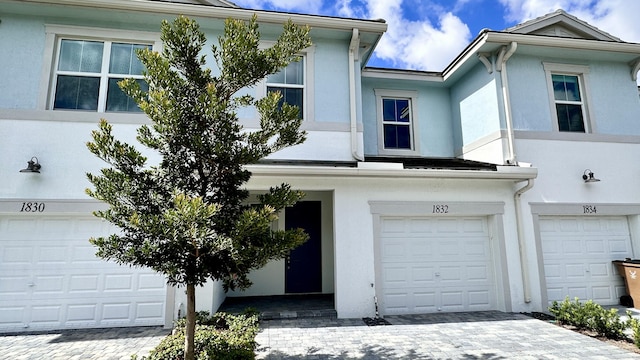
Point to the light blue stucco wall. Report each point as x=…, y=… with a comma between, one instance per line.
x=433, y=117
x=23, y=37
x=528, y=94
x=475, y=105
x=331, y=81
x=20, y=38
x=612, y=98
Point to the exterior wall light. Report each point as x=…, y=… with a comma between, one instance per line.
x=32, y=166
x=588, y=177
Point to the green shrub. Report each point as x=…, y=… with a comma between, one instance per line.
x=589, y=316
x=634, y=325
x=220, y=336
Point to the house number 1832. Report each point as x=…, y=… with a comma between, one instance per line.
x=32, y=207
x=440, y=209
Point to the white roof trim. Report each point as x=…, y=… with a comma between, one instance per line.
x=561, y=17
x=510, y=173
x=218, y=12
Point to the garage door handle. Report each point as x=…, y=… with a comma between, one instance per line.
x=437, y=274
x=31, y=284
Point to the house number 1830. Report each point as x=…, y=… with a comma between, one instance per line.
x=32, y=207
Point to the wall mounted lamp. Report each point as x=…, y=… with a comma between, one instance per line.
x=588, y=177
x=32, y=166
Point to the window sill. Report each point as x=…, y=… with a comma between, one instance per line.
x=73, y=116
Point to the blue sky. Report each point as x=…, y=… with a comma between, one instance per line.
x=428, y=34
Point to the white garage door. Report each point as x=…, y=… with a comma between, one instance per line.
x=577, y=253
x=436, y=264
x=50, y=278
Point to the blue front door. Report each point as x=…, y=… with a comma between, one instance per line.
x=303, y=272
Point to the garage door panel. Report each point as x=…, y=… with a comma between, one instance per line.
x=420, y=226
x=453, y=298
x=596, y=246
x=479, y=299
x=583, y=269
x=601, y=293
x=604, y=270
x=447, y=265
x=393, y=226
x=422, y=275
x=619, y=245
x=478, y=274
x=581, y=292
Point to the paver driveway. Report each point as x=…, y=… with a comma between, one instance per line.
x=482, y=335
x=468, y=336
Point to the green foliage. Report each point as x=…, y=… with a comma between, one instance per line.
x=634, y=325
x=186, y=216
x=220, y=336
x=589, y=316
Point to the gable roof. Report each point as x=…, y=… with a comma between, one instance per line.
x=561, y=24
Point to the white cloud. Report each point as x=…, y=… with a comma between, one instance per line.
x=617, y=17
x=419, y=45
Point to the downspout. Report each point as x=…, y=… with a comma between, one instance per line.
x=524, y=262
x=353, y=116
x=503, y=56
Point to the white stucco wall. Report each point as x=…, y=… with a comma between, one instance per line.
x=355, y=278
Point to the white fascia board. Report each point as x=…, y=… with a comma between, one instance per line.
x=314, y=21
x=509, y=173
x=395, y=74
x=566, y=43
x=501, y=38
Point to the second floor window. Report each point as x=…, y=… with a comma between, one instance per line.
x=569, y=102
x=290, y=83
x=568, y=97
x=87, y=73
x=396, y=123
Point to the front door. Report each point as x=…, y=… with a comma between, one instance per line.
x=303, y=272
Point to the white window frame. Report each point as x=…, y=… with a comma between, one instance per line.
x=54, y=35
x=308, y=104
x=412, y=96
x=581, y=72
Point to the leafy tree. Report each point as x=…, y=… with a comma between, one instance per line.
x=187, y=216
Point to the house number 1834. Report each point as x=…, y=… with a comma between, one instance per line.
x=589, y=209
x=32, y=207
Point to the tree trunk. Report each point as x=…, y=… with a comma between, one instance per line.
x=190, y=328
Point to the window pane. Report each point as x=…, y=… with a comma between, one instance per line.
x=566, y=88
x=124, y=60
x=277, y=78
x=291, y=96
x=390, y=136
x=402, y=110
x=388, y=109
x=404, y=138
x=570, y=118
x=294, y=97
x=294, y=74
x=80, y=55
x=397, y=137
x=117, y=100
x=77, y=92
